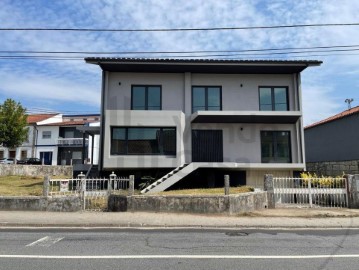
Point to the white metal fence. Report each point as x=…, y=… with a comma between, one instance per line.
x=93, y=192
x=324, y=192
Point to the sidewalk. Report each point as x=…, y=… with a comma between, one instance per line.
x=269, y=218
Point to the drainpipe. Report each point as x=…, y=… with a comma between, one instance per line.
x=34, y=141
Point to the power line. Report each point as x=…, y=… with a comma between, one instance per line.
x=179, y=29
x=179, y=52
x=79, y=57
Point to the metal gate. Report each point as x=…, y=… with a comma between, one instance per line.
x=312, y=192
x=93, y=192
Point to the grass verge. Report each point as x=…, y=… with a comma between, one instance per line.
x=208, y=191
x=16, y=185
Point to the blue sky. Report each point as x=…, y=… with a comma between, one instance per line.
x=74, y=87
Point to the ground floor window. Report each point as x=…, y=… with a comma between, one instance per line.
x=12, y=153
x=275, y=146
x=2, y=154
x=23, y=154
x=143, y=141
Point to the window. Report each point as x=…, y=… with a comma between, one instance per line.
x=23, y=154
x=12, y=153
x=46, y=134
x=143, y=141
x=1, y=154
x=206, y=98
x=146, y=97
x=275, y=146
x=273, y=99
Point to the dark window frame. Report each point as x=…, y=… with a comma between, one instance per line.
x=206, y=95
x=275, y=145
x=146, y=94
x=46, y=134
x=140, y=154
x=272, y=96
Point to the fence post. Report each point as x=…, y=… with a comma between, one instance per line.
x=268, y=186
x=46, y=186
x=131, y=186
x=226, y=184
x=352, y=190
x=82, y=178
x=310, y=193
x=113, y=176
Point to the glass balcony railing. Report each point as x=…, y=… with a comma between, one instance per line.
x=71, y=141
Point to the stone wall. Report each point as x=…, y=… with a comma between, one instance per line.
x=231, y=204
x=334, y=168
x=35, y=170
x=52, y=204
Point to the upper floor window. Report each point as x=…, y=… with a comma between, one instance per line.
x=146, y=97
x=46, y=134
x=275, y=146
x=273, y=99
x=206, y=98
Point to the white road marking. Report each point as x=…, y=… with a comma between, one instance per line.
x=183, y=256
x=46, y=241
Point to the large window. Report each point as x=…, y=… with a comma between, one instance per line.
x=275, y=146
x=273, y=99
x=206, y=98
x=146, y=97
x=143, y=141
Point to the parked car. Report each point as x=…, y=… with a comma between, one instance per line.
x=7, y=161
x=30, y=161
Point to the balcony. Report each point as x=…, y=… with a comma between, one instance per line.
x=254, y=117
x=68, y=142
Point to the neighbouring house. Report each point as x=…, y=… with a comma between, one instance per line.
x=192, y=121
x=58, y=139
x=332, y=145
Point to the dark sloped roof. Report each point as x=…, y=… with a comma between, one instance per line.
x=201, y=65
x=343, y=114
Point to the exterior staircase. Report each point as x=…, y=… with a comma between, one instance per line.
x=170, y=178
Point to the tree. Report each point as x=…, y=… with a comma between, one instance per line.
x=13, y=125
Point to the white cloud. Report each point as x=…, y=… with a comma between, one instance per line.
x=39, y=88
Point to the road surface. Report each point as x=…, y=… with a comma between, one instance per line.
x=37, y=248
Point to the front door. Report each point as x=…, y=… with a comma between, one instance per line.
x=207, y=145
x=47, y=157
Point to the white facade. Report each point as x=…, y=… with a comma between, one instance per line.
x=43, y=141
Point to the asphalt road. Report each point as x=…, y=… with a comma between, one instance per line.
x=54, y=249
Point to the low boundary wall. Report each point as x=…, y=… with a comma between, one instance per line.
x=227, y=204
x=51, y=204
x=35, y=170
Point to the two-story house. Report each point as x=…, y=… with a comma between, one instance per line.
x=201, y=117
x=56, y=139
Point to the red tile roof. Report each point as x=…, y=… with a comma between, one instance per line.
x=343, y=114
x=34, y=118
x=71, y=123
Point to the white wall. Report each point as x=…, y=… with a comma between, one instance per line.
x=240, y=92
x=47, y=145
x=244, y=146
x=143, y=118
